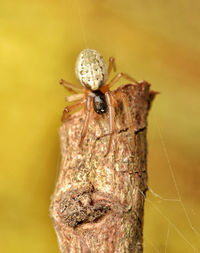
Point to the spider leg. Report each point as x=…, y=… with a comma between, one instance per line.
x=71, y=87
x=126, y=105
x=74, y=97
x=120, y=75
x=109, y=100
x=72, y=107
x=88, y=115
x=112, y=65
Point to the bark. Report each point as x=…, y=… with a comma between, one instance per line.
x=98, y=203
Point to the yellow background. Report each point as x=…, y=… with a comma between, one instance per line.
x=158, y=41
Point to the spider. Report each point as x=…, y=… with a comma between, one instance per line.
x=92, y=73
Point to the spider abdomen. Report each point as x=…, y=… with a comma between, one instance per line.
x=99, y=102
x=91, y=69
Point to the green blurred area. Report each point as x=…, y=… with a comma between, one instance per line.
x=158, y=41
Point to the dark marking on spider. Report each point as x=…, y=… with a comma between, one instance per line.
x=99, y=102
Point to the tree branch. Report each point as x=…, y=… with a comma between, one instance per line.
x=98, y=203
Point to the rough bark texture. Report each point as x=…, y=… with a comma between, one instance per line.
x=98, y=204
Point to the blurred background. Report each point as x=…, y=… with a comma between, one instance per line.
x=158, y=41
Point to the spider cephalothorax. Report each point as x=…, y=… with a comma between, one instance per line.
x=92, y=74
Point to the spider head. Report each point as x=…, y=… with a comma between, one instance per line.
x=91, y=69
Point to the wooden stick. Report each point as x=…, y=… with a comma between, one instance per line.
x=98, y=203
